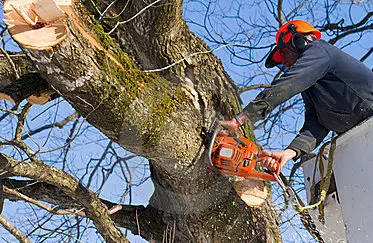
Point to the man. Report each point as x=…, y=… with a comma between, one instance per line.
x=337, y=89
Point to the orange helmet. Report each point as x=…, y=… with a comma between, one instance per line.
x=285, y=35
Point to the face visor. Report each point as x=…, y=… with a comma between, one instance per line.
x=274, y=58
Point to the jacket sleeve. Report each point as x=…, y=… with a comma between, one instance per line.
x=311, y=66
x=311, y=134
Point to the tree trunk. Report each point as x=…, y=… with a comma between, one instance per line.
x=158, y=115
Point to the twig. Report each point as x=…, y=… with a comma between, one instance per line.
x=137, y=222
x=295, y=9
x=366, y=55
x=187, y=57
x=174, y=232
x=107, y=9
x=9, y=111
x=18, y=133
x=133, y=17
x=62, y=233
x=14, y=108
x=95, y=6
x=60, y=124
x=10, y=62
x=129, y=182
x=251, y=87
x=120, y=13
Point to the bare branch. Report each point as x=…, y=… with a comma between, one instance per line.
x=350, y=32
x=94, y=208
x=107, y=9
x=123, y=215
x=5, y=53
x=60, y=125
x=42, y=205
x=295, y=9
x=366, y=55
x=21, y=122
x=337, y=26
x=279, y=13
x=13, y=230
x=251, y=87
x=134, y=16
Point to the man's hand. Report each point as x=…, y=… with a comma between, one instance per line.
x=230, y=125
x=281, y=157
x=234, y=124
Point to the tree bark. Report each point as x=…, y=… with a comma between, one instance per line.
x=158, y=116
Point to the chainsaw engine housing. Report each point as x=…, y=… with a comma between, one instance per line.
x=238, y=157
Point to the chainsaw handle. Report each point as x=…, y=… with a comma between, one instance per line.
x=239, y=141
x=261, y=157
x=211, y=145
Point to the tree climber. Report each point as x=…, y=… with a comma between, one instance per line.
x=337, y=89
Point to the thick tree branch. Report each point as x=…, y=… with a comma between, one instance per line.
x=13, y=230
x=150, y=219
x=94, y=208
x=41, y=205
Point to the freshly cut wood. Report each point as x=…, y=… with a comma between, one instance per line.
x=48, y=10
x=252, y=192
x=37, y=24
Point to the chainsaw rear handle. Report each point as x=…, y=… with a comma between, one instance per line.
x=263, y=157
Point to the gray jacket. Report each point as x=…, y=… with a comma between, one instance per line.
x=337, y=91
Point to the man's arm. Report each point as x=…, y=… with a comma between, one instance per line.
x=310, y=136
x=312, y=132
x=311, y=66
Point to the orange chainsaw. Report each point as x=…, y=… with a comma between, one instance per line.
x=240, y=157
x=236, y=156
